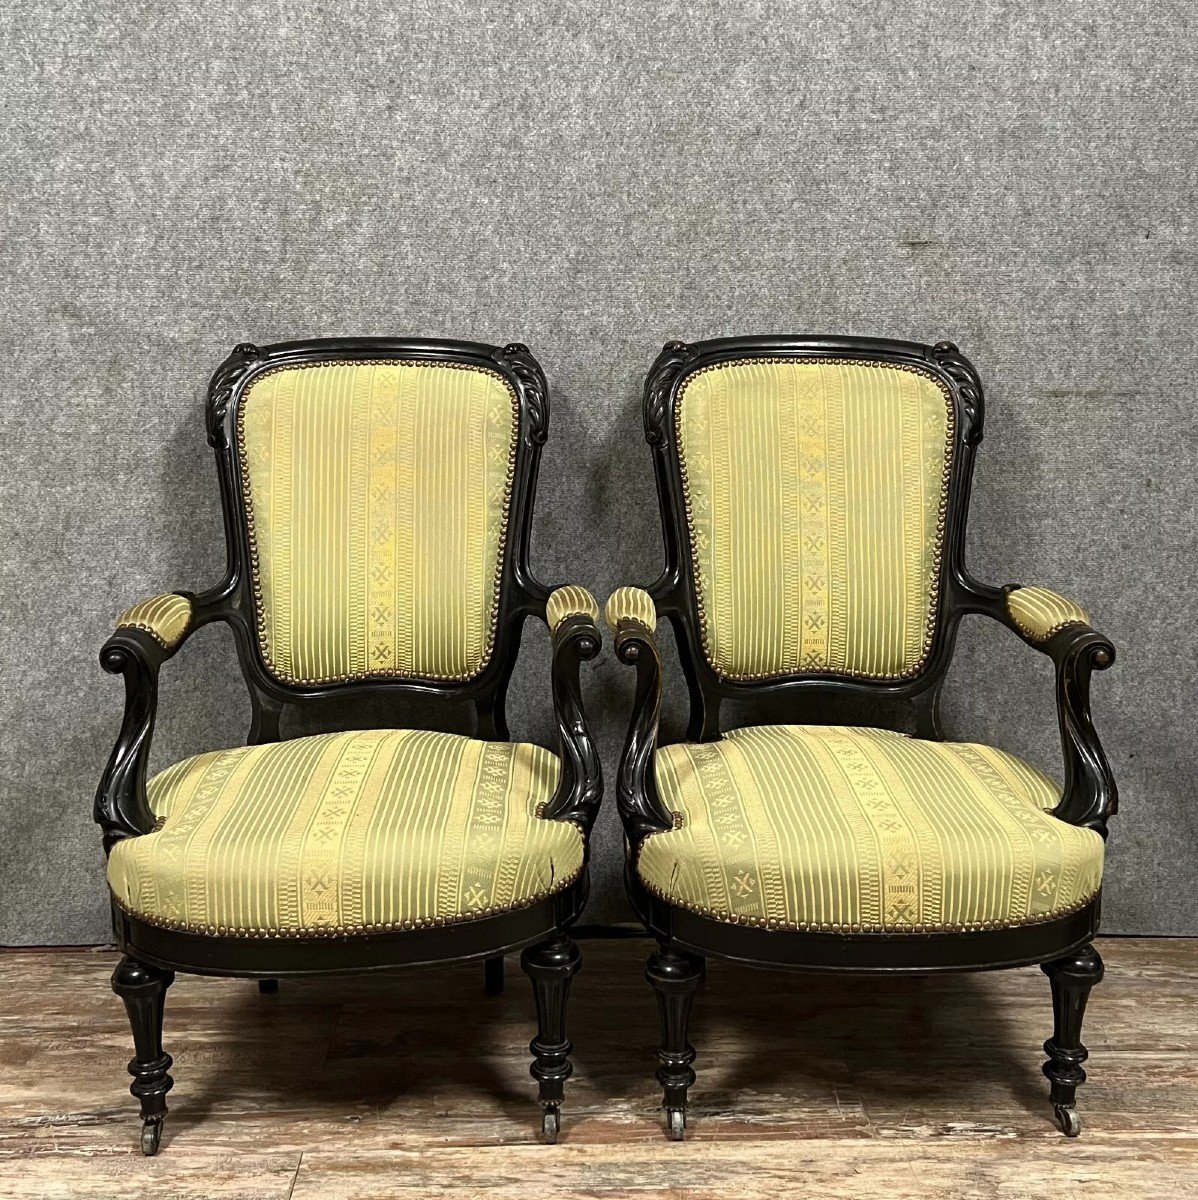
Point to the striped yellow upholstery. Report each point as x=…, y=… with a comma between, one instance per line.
x=630, y=604
x=815, y=495
x=347, y=833
x=1040, y=613
x=377, y=497
x=832, y=828
x=165, y=617
x=570, y=601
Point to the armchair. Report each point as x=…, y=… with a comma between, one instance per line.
x=377, y=498
x=813, y=496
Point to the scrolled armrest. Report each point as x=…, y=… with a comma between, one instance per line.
x=572, y=613
x=1061, y=629
x=146, y=635
x=632, y=617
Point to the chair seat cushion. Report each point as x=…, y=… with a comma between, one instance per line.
x=826, y=828
x=347, y=833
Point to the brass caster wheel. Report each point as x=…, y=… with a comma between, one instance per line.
x=551, y=1123
x=151, y=1137
x=1067, y=1119
x=676, y=1124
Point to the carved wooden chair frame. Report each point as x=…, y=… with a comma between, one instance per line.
x=152, y=954
x=1062, y=946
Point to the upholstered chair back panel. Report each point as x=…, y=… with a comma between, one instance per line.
x=376, y=497
x=815, y=494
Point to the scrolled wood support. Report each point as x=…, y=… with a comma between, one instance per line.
x=121, y=808
x=641, y=809
x=1090, y=797
x=580, y=785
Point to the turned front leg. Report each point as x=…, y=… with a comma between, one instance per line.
x=551, y=966
x=143, y=989
x=1071, y=978
x=674, y=976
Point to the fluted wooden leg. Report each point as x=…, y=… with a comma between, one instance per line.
x=551, y=966
x=675, y=976
x=1071, y=977
x=493, y=976
x=143, y=989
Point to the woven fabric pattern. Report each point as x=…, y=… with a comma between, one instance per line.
x=630, y=604
x=165, y=617
x=377, y=497
x=347, y=833
x=815, y=495
x=841, y=829
x=570, y=601
x=1040, y=613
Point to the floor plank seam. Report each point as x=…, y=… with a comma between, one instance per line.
x=295, y=1178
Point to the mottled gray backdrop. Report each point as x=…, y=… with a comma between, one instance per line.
x=592, y=179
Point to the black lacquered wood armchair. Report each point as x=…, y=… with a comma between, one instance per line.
x=813, y=495
x=378, y=499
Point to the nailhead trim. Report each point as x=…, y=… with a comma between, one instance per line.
x=501, y=549
x=1038, y=637
x=773, y=924
x=331, y=931
x=941, y=519
x=146, y=627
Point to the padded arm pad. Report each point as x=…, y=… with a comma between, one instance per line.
x=1039, y=613
x=166, y=618
x=630, y=604
x=570, y=601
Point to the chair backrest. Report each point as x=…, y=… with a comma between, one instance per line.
x=809, y=487
x=380, y=496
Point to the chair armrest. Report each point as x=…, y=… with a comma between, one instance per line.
x=146, y=636
x=571, y=614
x=166, y=618
x=632, y=617
x=1060, y=629
x=1036, y=614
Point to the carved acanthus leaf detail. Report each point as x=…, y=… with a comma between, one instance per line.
x=534, y=390
x=969, y=388
x=662, y=377
x=221, y=387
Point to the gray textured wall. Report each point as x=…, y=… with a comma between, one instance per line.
x=592, y=179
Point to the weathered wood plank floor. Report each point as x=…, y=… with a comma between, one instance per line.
x=417, y=1084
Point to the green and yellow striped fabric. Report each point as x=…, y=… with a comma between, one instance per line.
x=166, y=618
x=630, y=604
x=377, y=498
x=1040, y=613
x=347, y=833
x=826, y=828
x=815, y=494
x=570, y=601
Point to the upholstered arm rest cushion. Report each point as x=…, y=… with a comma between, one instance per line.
x=630, y=604
x=570, y=601
x=166, y=618
x=1039, y=614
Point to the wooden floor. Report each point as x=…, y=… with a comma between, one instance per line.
x=808, y=1086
